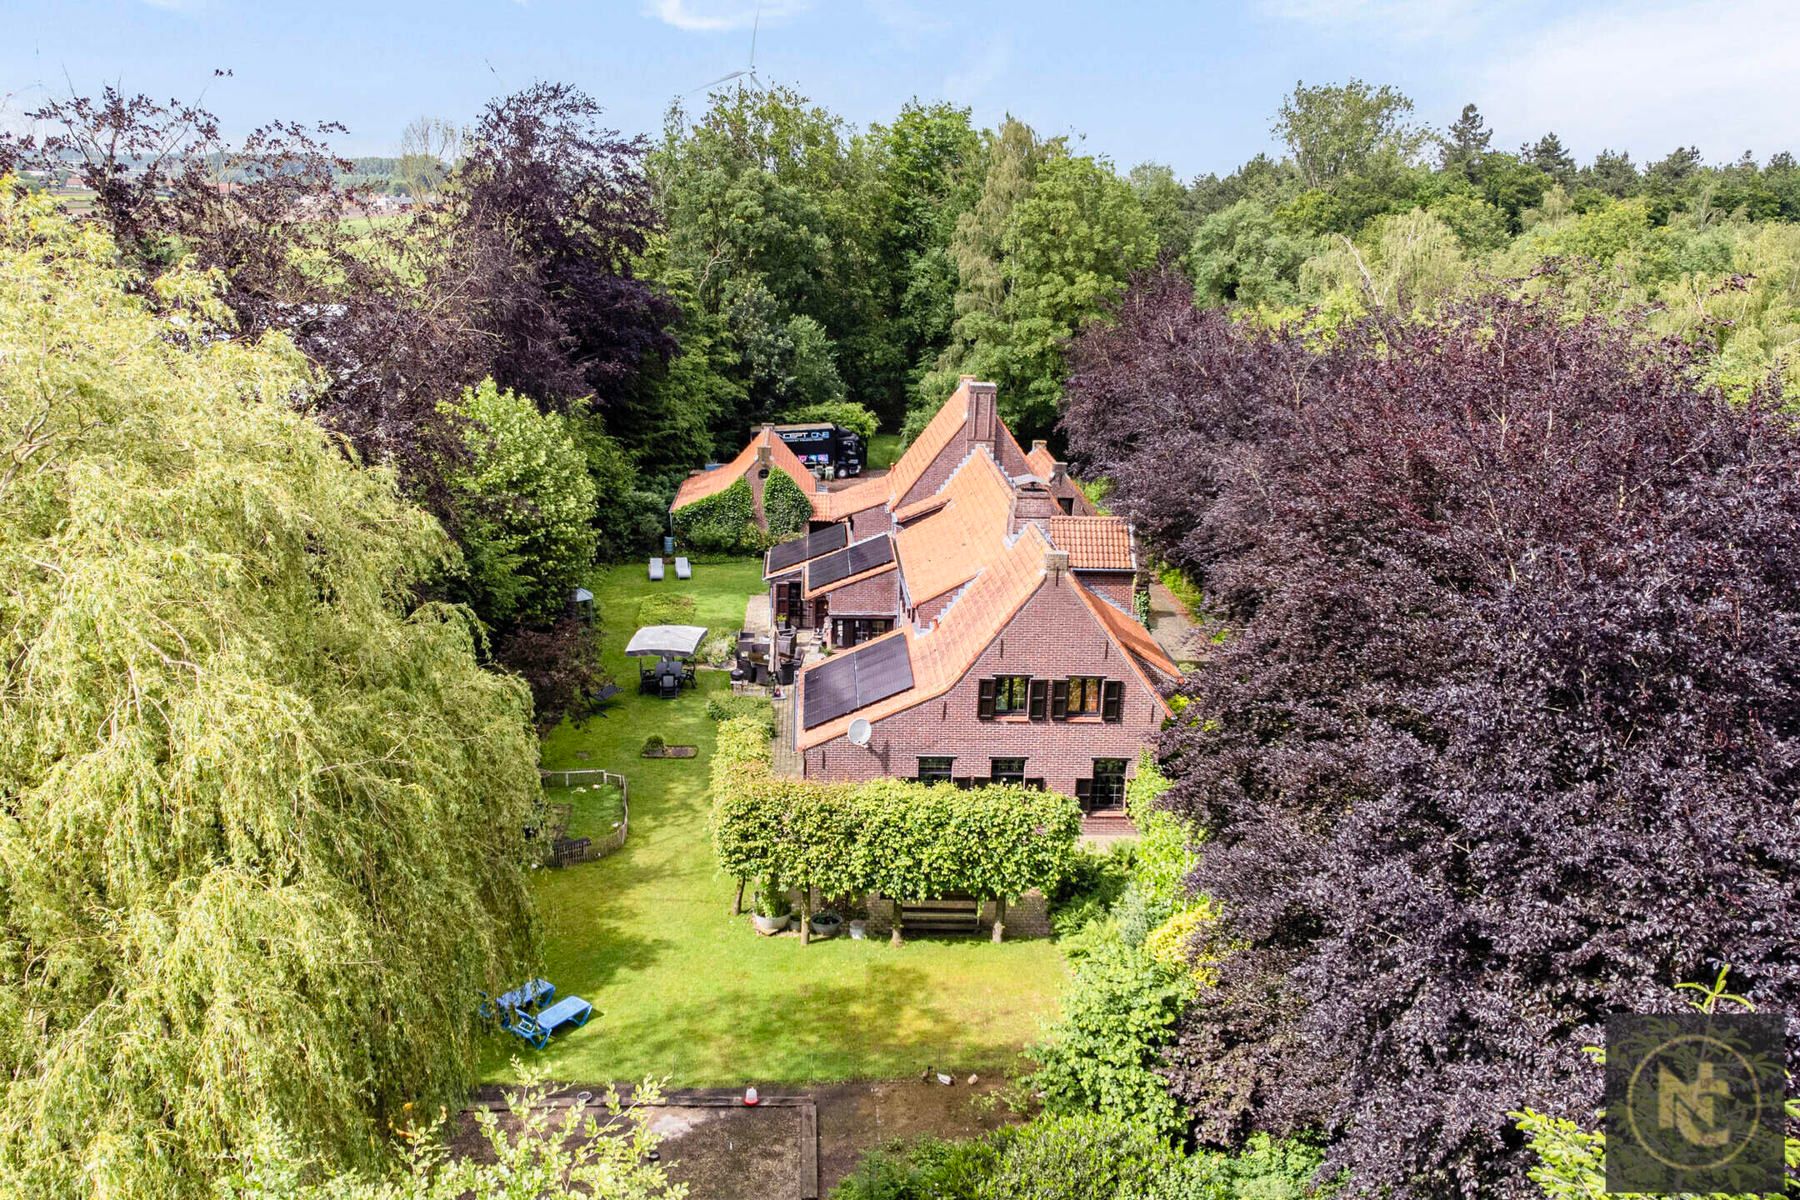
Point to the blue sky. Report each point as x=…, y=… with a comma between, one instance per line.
x=1193, y=84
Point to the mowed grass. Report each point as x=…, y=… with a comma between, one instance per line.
x=689, y=992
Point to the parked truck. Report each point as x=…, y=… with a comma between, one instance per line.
x=829, y=451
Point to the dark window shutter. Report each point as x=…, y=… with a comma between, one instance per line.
x=1040, y=698
x=984, y=703
x=1084, y=793
x=1059, y=699
x=1112, y=700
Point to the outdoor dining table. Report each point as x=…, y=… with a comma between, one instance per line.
x=537, y=991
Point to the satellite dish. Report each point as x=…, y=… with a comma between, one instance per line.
x=860, y=731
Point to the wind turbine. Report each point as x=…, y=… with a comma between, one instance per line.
x=748, y=72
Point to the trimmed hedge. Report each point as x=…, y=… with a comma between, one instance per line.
x=904, y=839
x=786, y=506
x=748, y=708
x=723, y=523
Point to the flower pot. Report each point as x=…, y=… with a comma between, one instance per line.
x=827, y=925
x=858, y=930
x=769, y=926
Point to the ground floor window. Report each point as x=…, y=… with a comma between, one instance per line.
x=1006, y=770
x=854, y=631
x=934, y=768
x=1106, y=790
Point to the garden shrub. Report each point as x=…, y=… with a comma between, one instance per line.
x=786, y=507
x=1090, y=886
x=743, y=708
x=1101, y=1055
x=723, y=523
x=1265, y=1169
x=1078, y=1157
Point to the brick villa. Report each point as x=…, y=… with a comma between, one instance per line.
x=981, y=618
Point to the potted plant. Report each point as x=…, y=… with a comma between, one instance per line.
x=771, y=912
x=826, y=923
x=654, y=746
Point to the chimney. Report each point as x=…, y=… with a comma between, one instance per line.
x=764, y=452
x=1039, y=444
x=1055, y=562
x=1058, y=472
x=984, y=417
x=1032, y=503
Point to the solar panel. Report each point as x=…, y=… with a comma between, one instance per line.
x=799, y=549
x=882, y=670
x=856, y=680
x=853, y=560
x=830, y=690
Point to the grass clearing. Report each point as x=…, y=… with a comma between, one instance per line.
x=688, y=991
x=883, y=450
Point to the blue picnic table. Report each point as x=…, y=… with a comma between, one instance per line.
x=536, y=1028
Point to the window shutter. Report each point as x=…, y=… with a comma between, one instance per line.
x=1059, y=699
x=1084, y=793
x=1112, y=700
x=1040, y=698
x=984, y=703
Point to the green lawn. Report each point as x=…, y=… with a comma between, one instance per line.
x=884, y=448
x=687, y=991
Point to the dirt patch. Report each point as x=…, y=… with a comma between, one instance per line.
x=855, y=1118
x=727, y=1153
x=671, y=752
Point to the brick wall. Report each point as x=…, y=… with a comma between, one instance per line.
x=1113, y=585
x=1053, y=636
x=876, y=596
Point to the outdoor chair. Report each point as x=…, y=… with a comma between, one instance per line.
x=683, y=570
x=656, y=570
x=526, y=1027
x=597, y=701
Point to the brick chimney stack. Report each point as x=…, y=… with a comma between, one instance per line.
x=764, y=451
x=1039, y=444
x=984, y=414
x=1056, y=562
x=1059, y=471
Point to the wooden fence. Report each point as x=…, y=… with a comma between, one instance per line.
x=566, y=851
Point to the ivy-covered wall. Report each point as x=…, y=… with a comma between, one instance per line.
x=723, y=523
x=786, y=507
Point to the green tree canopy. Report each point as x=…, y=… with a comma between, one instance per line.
x=260, y=817
x=525, y=503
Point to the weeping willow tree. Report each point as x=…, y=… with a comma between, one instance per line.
x=260, y=816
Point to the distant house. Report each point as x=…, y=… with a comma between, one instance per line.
x=984, y=614
x=764, y=453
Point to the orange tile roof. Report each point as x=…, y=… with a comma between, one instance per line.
x=1094, y=543
x=937, y=434
x=950, y=546
x=711, y=483
x=1042, y=463
x=944, y=653
x=861, y=495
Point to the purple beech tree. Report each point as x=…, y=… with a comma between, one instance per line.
x=1505, y=734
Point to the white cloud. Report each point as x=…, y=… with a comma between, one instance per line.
x=1648, y=78
x=906, y=19
x=1404, y=19
x=717, y=16
x=979, y=71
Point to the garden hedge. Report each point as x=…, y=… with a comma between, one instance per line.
x=904, y=839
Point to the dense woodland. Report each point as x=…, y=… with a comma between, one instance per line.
x=1482, y=460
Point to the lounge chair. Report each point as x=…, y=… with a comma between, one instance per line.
x=656, y=570
x=683, y=570
x=598, y=701
x=526, y=1027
